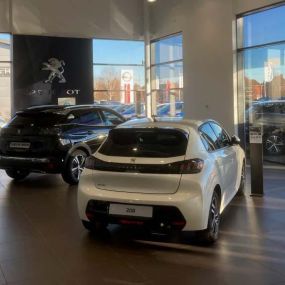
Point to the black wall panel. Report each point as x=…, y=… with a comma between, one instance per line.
x=71, y=57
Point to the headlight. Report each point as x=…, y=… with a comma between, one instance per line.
x=64, y=141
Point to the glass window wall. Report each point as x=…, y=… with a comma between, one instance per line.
x=119, y=76
x=167, y=76
x=5, y=78
x=261, y=70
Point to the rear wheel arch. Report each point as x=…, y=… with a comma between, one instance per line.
x=210, y=234
x=81, y=147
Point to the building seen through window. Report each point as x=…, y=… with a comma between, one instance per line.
x=119, y=76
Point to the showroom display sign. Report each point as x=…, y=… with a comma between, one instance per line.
x=127, y=85
x=49, y=69
x=255, y=135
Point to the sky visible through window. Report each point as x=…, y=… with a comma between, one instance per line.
x=261, y=28
x=118, y=52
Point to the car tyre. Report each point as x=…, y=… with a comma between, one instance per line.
x=211, y=234
x=74, y=167
x=17, y=175
x=241, y=189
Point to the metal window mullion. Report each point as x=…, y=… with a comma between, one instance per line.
x=117, y=64
x=166, y=62
x=94, y=90
x=261, y=46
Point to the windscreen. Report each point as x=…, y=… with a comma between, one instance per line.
x=145, y=143
x=39, y=119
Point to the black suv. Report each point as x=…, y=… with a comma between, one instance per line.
x=54, y=139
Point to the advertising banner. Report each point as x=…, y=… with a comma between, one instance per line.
x=48, y=68
x=127, y=85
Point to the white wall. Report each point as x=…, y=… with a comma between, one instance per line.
x=4, y=16
x=208, y=34
x=241, y=6
x=75, y=18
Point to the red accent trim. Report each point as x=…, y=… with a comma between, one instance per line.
x=127, y=93
x=178, y=223
x=89, y=216
x=131, y=222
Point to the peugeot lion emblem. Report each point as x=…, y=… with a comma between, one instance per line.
x=133, y=160
x=55, y=66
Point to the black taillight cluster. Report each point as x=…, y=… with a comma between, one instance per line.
x=191, y=166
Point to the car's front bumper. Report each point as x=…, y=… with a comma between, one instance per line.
x=32, y=164
x=188, y=202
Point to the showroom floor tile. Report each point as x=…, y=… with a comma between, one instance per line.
x=43, y=242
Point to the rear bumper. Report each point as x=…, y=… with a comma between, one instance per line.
x=32, y=164
x=189, y=204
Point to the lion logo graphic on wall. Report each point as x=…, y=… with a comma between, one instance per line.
x=56, y=68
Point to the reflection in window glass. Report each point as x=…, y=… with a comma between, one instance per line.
x=167, y=76
x=5, y=78
x=119, y=75
x=262, y=79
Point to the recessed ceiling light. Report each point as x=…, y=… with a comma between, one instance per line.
x=151, y=1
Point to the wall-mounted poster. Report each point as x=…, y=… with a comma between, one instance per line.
x=48, y=68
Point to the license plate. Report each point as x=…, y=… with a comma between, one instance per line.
x=130, y=210
x=20, y=145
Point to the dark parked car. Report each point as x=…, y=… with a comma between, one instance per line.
x=54, y=139
x=271, y=116
x=163, y=110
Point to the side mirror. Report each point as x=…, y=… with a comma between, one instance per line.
x=235, y=140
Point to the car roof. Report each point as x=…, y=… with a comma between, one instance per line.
x=165, y=122
x=268, y=102
x=62, y=110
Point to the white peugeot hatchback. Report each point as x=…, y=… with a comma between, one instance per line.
x=163, y=175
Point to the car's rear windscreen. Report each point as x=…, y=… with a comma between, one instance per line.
x=40, y=119
x=148, y=142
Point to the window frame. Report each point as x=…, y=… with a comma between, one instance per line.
x=152, y=67
x=127, y=65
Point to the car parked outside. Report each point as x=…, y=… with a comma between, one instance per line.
x=132, y=112
x=164, y=175
x=270, y=115
x=54, y=139
x=163, y=110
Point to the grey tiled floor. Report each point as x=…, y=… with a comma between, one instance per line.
x=42, y=242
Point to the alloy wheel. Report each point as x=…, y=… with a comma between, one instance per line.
x=215, y=216
x=274, y=144
x=77, y=166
